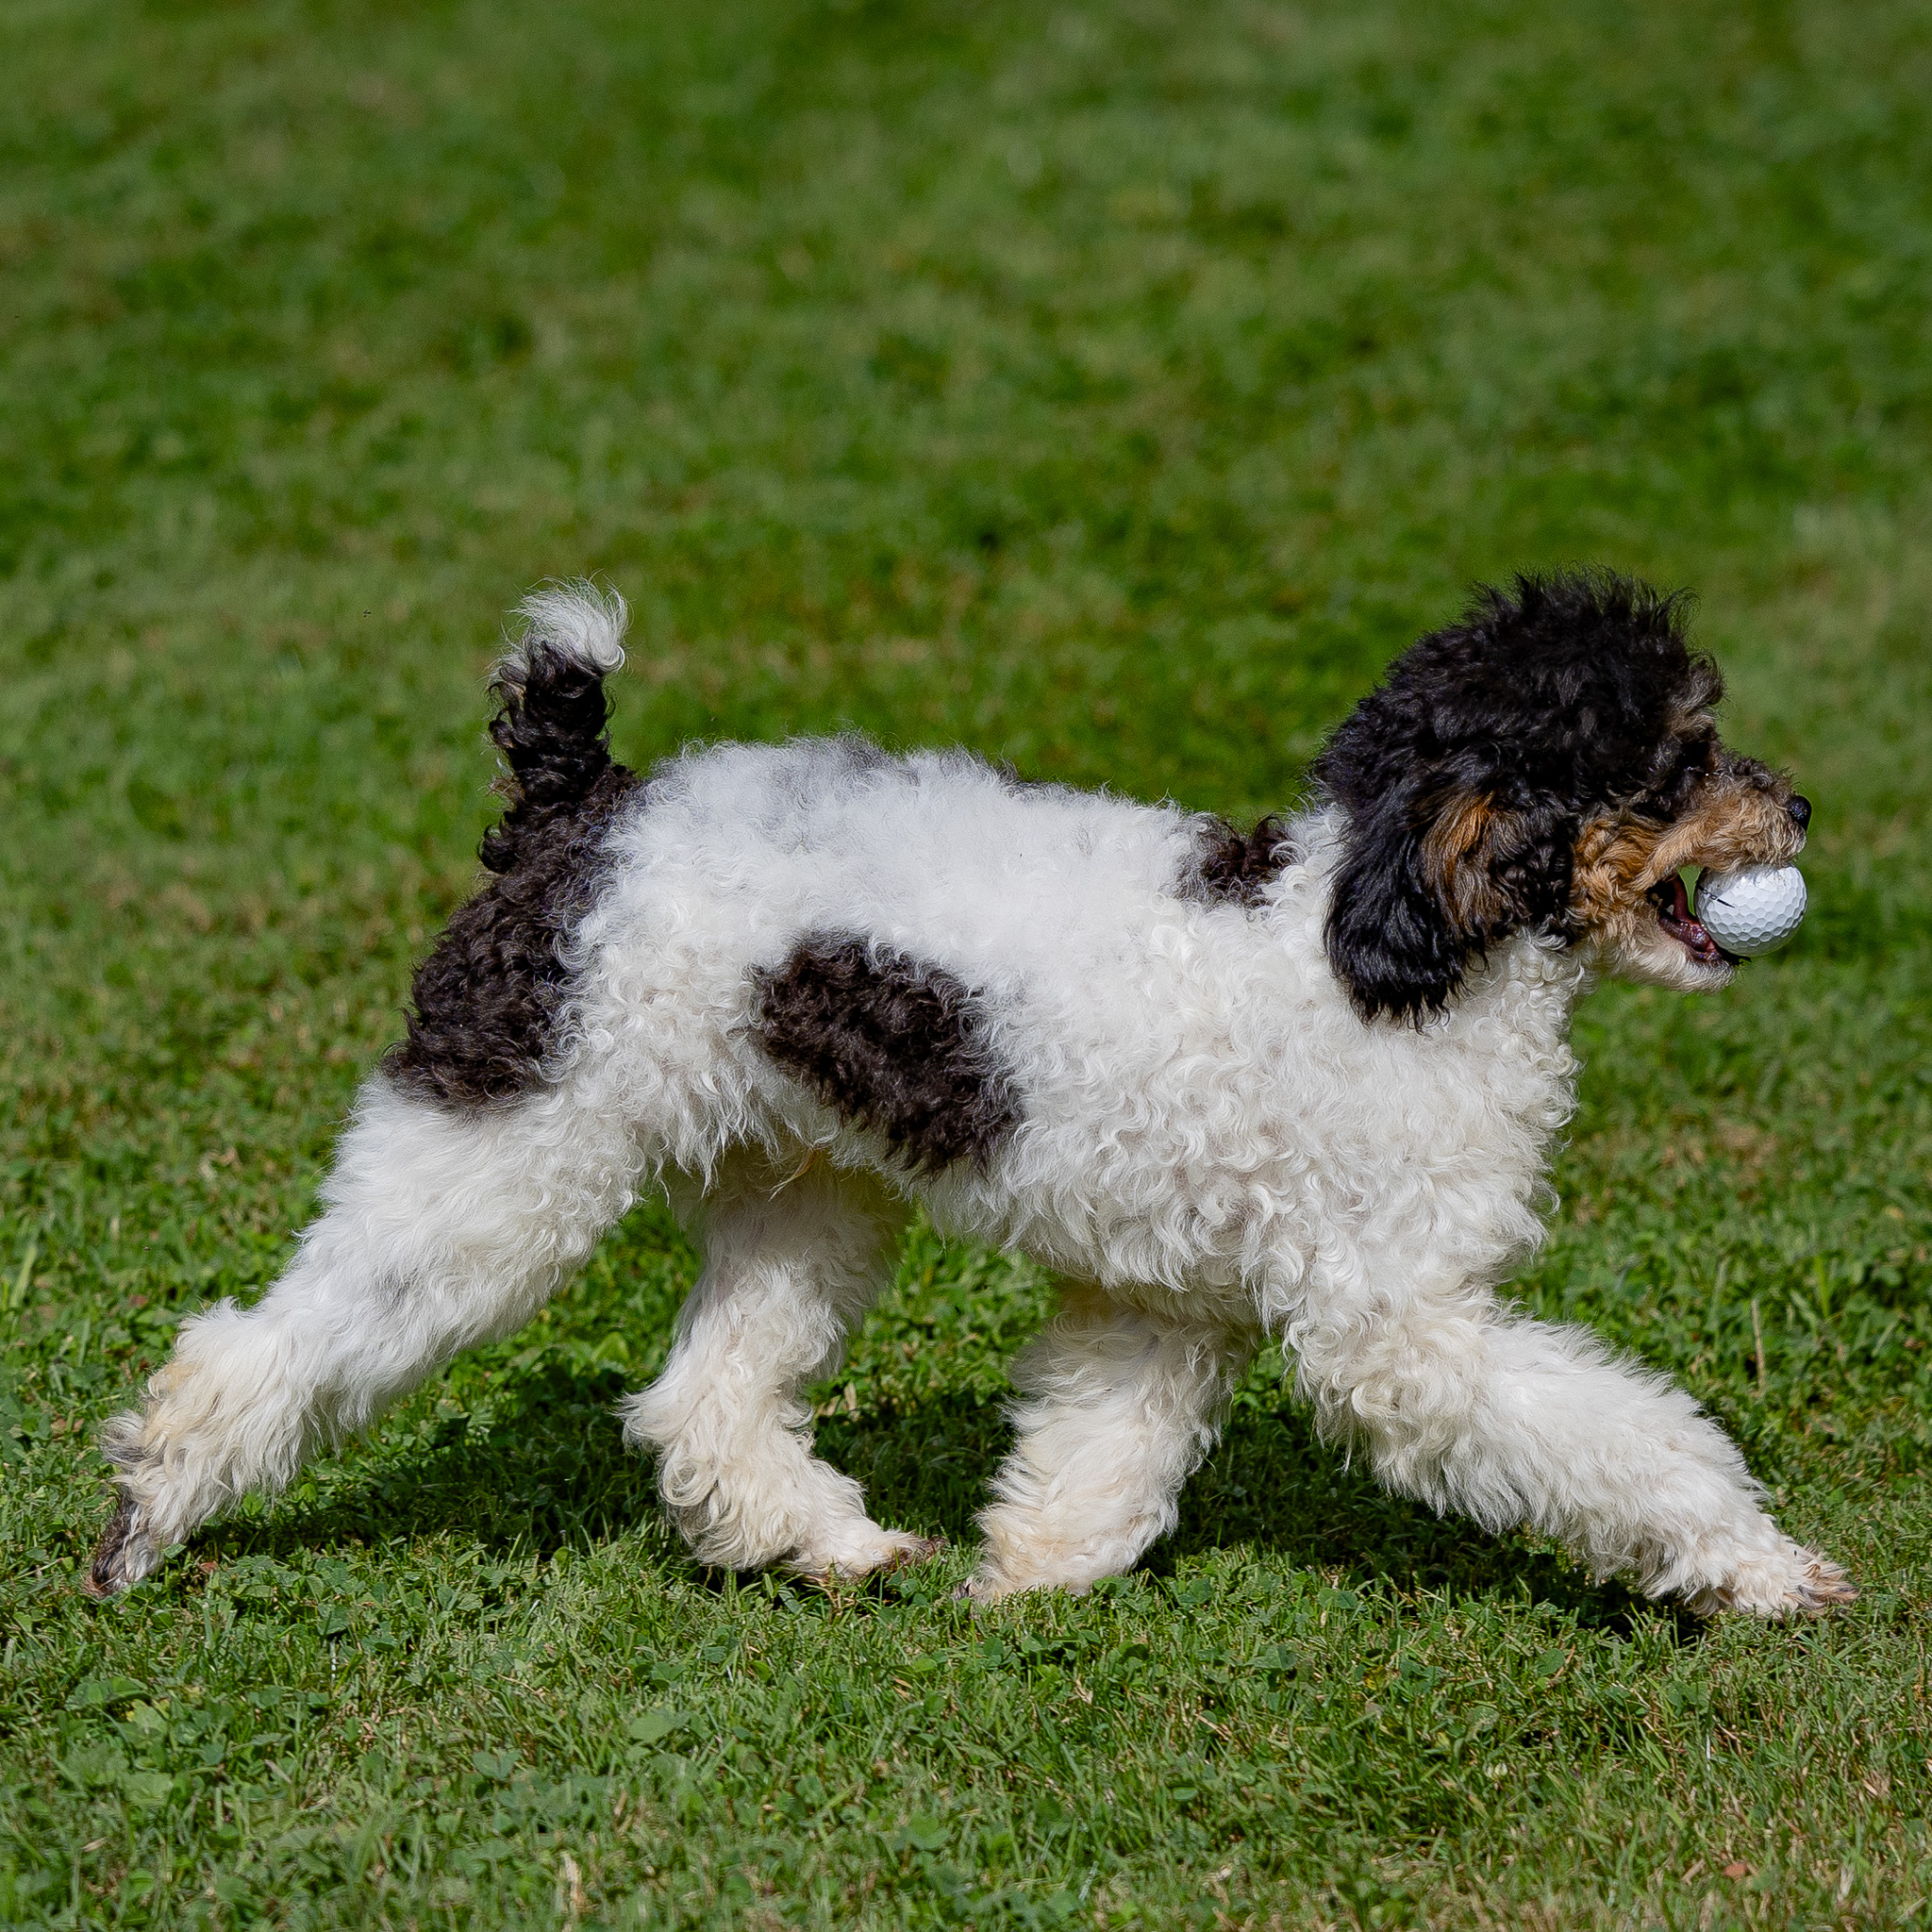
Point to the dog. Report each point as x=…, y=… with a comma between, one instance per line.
x=1300, y=1082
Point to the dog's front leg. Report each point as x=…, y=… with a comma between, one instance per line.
x=1120, y=1408
x=1515, y=1422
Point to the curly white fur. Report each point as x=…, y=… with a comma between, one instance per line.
x=577, y=619
x=1213, y=1148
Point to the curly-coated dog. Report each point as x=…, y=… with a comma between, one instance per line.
x=1300, y=1082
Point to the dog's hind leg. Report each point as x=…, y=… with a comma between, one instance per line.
x=1119, y=1410
x=792, y=1258
x=1516, y=1422
x=442, y=1228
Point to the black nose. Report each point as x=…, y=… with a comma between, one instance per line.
x=1800, y=808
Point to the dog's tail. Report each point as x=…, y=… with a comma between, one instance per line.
x=551, y=713
x=549, y=685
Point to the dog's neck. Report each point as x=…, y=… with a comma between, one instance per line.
x=1528, y=984
x=1532, y=983
x=1512, y=1019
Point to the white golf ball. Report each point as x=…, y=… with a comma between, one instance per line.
x=1751, y=910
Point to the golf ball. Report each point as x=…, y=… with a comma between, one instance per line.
x=1751, y=910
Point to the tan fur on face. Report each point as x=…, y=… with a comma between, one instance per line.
x=1740, y=816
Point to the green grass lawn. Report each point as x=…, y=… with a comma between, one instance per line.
x=1113, y=389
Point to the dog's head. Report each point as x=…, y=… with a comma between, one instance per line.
x=1546, y=765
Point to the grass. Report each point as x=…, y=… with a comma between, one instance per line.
x=1112, y=389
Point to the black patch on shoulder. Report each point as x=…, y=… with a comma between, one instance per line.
x=1236, y=868
x=895, y=1045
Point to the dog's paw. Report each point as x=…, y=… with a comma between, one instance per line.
x=1793, y=1581
x=986, y=1588
x=127, y=1551
x=993, y=1583
x=866, y=1552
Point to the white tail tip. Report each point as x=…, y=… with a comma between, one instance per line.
x=577, y=621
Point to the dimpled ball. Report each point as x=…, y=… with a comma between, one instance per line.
x=1751, y=910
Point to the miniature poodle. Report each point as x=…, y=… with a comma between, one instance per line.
x=1301, y=1082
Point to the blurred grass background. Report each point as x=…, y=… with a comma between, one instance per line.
x=1113, y=389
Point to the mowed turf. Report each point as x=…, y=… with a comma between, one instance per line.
x=1112, y=389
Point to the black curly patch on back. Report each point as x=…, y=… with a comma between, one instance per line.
x=1228, y=867
x=486, y=1001
x=893, y=1043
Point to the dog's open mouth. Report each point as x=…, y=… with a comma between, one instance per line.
x=1674, y=914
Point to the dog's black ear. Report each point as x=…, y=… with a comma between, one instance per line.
x=1432, y=876
x=1392, y=941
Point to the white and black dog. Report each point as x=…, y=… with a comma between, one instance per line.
x=1300, y=1083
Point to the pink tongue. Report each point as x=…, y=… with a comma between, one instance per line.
x=1680, y=907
